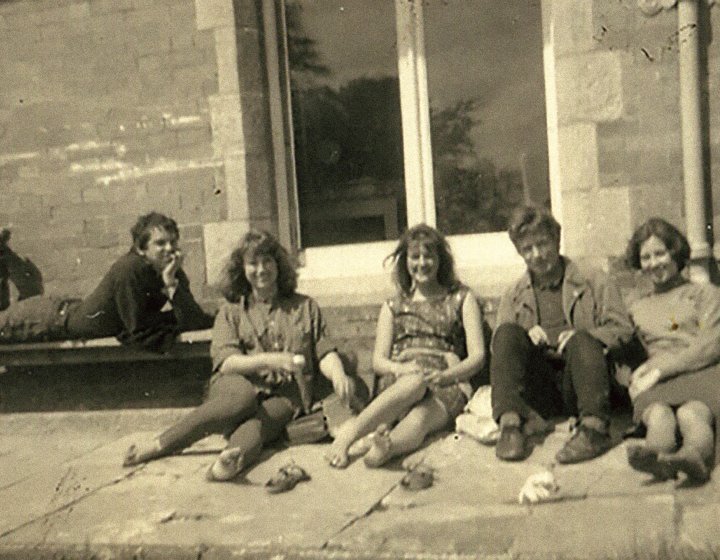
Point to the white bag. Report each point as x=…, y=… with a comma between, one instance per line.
x=477, y=421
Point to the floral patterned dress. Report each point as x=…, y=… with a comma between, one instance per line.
x=424, y=331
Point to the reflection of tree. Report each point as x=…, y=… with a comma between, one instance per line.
x=302, y=54
x=471, y=195
x=351, y=133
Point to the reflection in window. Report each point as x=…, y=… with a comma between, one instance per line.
x=346, y=120
x=487, y=99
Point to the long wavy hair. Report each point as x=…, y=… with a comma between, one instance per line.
x=676, y=243
x=432, y=238
x=235, y=285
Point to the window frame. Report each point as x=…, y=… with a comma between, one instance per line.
x=476, y=253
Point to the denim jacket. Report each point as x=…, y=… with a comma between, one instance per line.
x=590, y=302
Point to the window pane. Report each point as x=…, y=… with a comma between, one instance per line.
x=346, y=120
x=487, y=104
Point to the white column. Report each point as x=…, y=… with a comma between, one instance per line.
x=412, y=72
x=692, y=140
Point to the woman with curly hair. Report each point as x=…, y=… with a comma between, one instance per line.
x=428, y=344
x=268, y=343
x=676, y=392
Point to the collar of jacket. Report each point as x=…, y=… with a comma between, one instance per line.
x=574, y=284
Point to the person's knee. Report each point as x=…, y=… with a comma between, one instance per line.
x=412, y=387
x=694, y=412
x=658, y=414
x=507, y=337
x=583, y=342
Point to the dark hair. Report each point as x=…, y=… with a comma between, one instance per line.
x=257, y=243
x=431, y=237
x=675, y=242
x=142, y=229
x=526, y=220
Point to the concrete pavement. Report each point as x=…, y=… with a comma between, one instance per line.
x=63, y=494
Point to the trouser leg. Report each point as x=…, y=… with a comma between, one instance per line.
x=266, y=426
x=520, y=375
x=231, y=400
x=586, y=382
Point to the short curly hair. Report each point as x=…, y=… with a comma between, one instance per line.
x=235, y=285
x=676, y=243
x=142, y=230
x=425, y=234
x=527, y=220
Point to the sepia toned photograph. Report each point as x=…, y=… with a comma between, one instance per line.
x=359, y=279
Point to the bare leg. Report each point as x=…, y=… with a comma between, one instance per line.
x=661, y=428
x=697, y=452
x=387, y=407
x=426, y=417
x=661, y=438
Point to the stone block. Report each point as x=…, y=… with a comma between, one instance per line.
x=180, y=57
x=589, y=87
x=226, y=123
x=190, y=81
x=698, y=528
x=236, y=188
x=570, y=531
x=250, y=61
x=110, y=6
x=260, y=186
x=664, y=199
x=65, y=13
x=596, y=223
x=227, y=60
x=256, y=123
x=578, y=147
x=213, y=13
x=247, y=14
x=220, y=238
x=572, y=23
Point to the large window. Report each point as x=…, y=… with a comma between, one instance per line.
x=407, y=111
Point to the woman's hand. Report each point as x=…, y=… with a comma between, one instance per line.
x=285, y=361
x=643, y=378
x=434, y=376
x=406, y=368
x=343, y=386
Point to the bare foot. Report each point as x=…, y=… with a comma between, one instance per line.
x=689, y=461
x=381, y=449
x=227, y=466
x=338, y=456
x=142, y=452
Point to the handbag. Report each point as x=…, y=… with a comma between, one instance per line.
x=325, y=417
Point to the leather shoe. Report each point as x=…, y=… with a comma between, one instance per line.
x=585, y=444
x=511, y=445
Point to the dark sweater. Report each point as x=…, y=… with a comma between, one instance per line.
x=127, y=304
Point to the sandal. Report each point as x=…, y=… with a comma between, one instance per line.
x=418, y=478
x=227, y=466
x=286, y=478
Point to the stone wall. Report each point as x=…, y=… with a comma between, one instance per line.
x=111, y=108
x=620, y=158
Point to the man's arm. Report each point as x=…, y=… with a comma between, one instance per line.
x=614, y=327
x=190, y=316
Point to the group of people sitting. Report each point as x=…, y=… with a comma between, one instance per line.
x=558, y=342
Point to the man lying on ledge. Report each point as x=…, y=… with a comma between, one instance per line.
x=143, y=300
